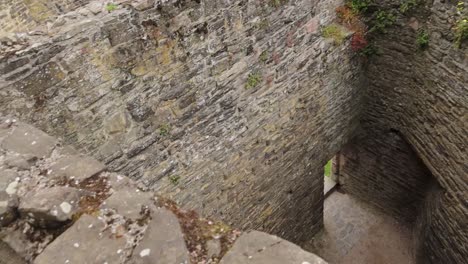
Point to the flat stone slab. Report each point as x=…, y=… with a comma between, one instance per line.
x=8, y=255
x=85, y=243
x=163, y=241
x=8, y=201
x=260, y=248
x=20, y=162
x=129, y=202
x=76, y=166
x=7, y=177
x=119, y=182
x=27, y=140
x=50, y=206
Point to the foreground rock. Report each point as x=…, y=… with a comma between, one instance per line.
x=8, y=255
x=76, y=167
x=8, y=199
x=57, y=206
x=163, y=241
x=260, y=248
x=51, y=206
x=86, y=242
x=27, y=140
x=129, y=202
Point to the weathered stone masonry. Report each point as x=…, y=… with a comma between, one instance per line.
x=411, y=159
x=158, y=92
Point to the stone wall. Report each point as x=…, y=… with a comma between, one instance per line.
x=57, y=205
x=229, y=107
x=33, y=15
x=419, y=97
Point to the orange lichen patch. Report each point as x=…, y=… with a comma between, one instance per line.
x=350, y=19
x=198, y=231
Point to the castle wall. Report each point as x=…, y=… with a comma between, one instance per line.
x=231, y=108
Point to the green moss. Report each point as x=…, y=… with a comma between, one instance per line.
x=382, y=21
x=408, y=5
x=461, y=26
x=422, y=40
x=369, y=50
x=328, y=167
x=461, y=31
x=164, y=129
x=111, y=7
x=253, y=80
x=334, y=32
x=277, y=3
x=263, y=24
x=359, y=6
x=263, y=56
x=174, y=179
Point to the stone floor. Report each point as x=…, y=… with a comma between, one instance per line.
x=357, y=234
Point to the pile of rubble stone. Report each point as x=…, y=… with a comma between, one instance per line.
x=58, y=206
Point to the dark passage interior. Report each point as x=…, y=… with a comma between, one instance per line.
x=377, y=195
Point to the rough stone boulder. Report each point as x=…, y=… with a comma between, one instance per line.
x=75, y=167
x=8, y=199
x=27, y=140
x=163, y=241
x=50, y=206
x=18, y=161
x=129, y=202
x=260, y=248
x=86, y=242
x=8, y=255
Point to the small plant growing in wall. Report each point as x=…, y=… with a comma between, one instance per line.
x=334, y=32
x=164, y=130
x=461, y=25
x=369, y=50
x=111, y=7
x=382, y=20
x=174, y=179
x=422, y=39
x=408, y=5
x=277, y=3
x=263, y=24
x=359, y=6
x=263, y=56
x=358, y=42
x=253, y=80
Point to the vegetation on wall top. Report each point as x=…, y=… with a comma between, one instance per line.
x=422, y=40
x=461, y=25
x=111, y=7
x=334, y=32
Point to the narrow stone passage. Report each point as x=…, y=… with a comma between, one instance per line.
x=354, y=233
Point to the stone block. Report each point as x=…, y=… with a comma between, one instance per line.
x=85, y=242
x=213, y=248
x=141, y=5
x=27, y=140
x=20, y=162
x=8, y=199
x=260, y=248
x=129, y=202
x=163, y=241
x=8, y=255
x=50, y=207
x=76, y=167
